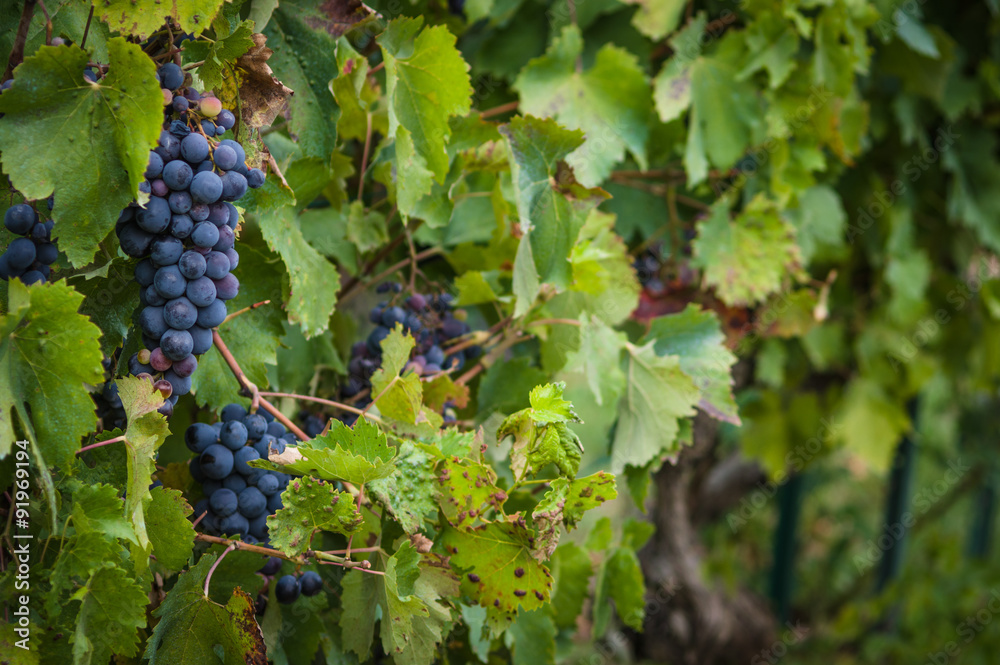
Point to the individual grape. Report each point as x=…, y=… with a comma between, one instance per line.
x=213, y=315
x=159, y=188
x=20, y=218
x=180, y=314
x=200, y=292
x=166, y=250
x=155, y=217
x=194, y=148
x=177, y=345
x=205, y=234
x=179, y=202
x=134, y=240
x=311, y=583
x=232, y=412
x=209, y=107
x=393, y=315
x=20, y=254
x=135, y=367
x=233, y=434
x=274, y=503
x=164, y=388
x=234, y=215
x=191, y=265
x=152, y=322
x=202, y=338
x=268, y=484
x=171, y=146
x=144, y=272
x=150, y=296
x=181, y=226
x=154, y=167
x=199, y=212
x=226, y=119
x=181, y=385
x=224, y=157
x=287, y=590
x=435, y=356
x=223, y=502
x=226, y=239
x=199, y=436
x=171, y=76
x=275, y=429
x=252, y=502
x=235, y=481
x=178, y=175
x=181, y=104
x=255, y=178
x=32, y=277
x=375, y=339
x=208, y=127
x=217, y=265
x=234, y=186
x=234, y=258
x=187, y=366
x=46, y=254
x=256, y=426
x=234, y=524
x=159, y=361
x=216, y=462
x=271, y=566
x=241, y=457
x=206, y=187
x=228, y=287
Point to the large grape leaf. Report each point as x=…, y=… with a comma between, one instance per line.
x=598, y=359
x=110, y=302
x=147, y=430
x=747, y=258
x=620, y=579
x=86, y=142
x=571, y=569
x=610, y=102
x=193, y=630
x=657, y=18
x=143, y=17
x=694, y=336
x=169, y=529
x=427, y=81
x=468, y=489
x=550, y=204
x=409, y=494
x=311, y=505
x=497, y=567
x=399, y=395
x=47, y=353
x=252, y=337
x=534, y=637
x=306, y=60
x=657, y=394
x=872, y=423
x=80, y=556
x=99, y=508
x=314, y=280
x=216, y=56
x=540, y=433
x=112, y=610
x=357, y=455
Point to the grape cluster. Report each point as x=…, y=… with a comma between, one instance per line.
x=185, y=234
x=28, y=258
x=238, y=497
x=430, y=319
x=288, y=587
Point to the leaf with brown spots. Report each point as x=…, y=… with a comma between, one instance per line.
x=310, y=506
x=467, y=490
x=565, y=503
x=496, y=564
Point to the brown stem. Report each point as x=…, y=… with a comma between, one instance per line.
x=274, y=167
x=549, y=322
x=499, y=110
x=320, y=400
x=208, y=578
x=244, y=311
x=376, y=68
x=100, y=443
x=200, y=518
x=317, y=555
x=86, y=28
x=48, y=23
x=364, y=158
x=17, y=52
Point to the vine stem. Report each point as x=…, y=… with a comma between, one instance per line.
x=499, y=110
x=100, y=443
x=251, y=389
x=48, y=22
x=549, y=322
x=320, y=400
x=364, y=158
x=245, y=310
x=86, y=28
x=208, y=578
x=17, y=52
x=320, y=556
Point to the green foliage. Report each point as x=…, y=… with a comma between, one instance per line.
x=311, y=506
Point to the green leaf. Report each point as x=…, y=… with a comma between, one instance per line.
x=314, y=280
x=400, y=398
x=548, y=405
x=610, y=102
x=534, y=635
x=550, y=204
x=409, y=495
x=193, y=630
x=604, y=280
x=100, y=508
x=112, y=610
x=310, y=506
x=565, y=503
x=48, y=353
x=366, y=229
x=147, y=430
x=540, y=434
x=468, y=489
x=695, y=337
x=88, y=143
x=772, y=46
x=571, y=570
x=305, y=60
x=657, y=18
x=170, y=531
x=215, y=55
x=498, y=568
x=819, y=221
x=84, y=554
x=110, y=302
x=352, y=92
x=620, y=579
x=357, y=455
x=871, y=423
x=143, y=17
x=427, y=81
x=473, y=289
x=598, y=359
x=748, y=258
x=9, y=645
x=657, y=394
x=253, y=337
